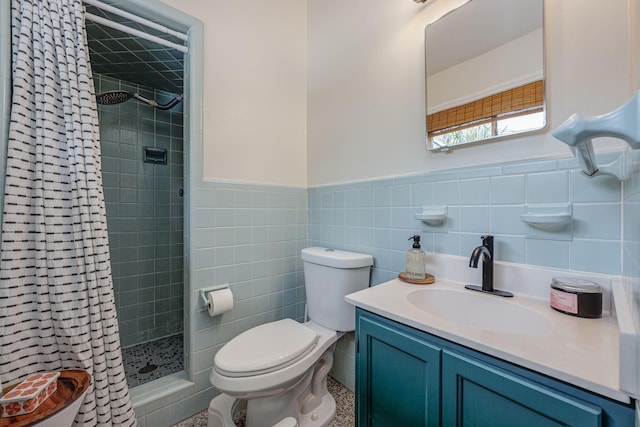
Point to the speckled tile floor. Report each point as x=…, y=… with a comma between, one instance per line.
x=345, y=407
x=152, y=360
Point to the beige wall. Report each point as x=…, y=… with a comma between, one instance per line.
x=634, y=45
x=366, y=85
x=254, y=89
x=355, y=109
x=513, y=64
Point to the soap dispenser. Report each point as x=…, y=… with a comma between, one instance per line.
x=416, y=260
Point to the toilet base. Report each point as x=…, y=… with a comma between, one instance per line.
x=223, y=408
x=322, y=415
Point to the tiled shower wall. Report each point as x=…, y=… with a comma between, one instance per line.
x=377, y=217
x=144, y=212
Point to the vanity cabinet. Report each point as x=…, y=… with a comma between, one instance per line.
x=397, y=376
x=407, y=377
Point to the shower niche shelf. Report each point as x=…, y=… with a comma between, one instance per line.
x=154, y=155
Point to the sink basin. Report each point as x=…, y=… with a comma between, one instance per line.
x=480, y=311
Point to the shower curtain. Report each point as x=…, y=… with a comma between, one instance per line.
x=57, y=306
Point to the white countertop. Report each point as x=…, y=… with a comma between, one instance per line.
x=579, y=351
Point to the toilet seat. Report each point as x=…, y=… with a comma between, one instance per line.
x=265, y=348
x=250, y=386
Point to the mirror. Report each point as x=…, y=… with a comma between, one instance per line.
x=485, y=72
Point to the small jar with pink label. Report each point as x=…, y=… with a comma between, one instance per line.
x=576, y=297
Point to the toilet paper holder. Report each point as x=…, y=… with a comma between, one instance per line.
x=205, y=291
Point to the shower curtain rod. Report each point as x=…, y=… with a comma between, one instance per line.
x=136, y=18
x=134, y=32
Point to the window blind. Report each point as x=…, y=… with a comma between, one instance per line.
x=518, y=101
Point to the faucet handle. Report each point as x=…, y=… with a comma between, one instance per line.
x=487, y=240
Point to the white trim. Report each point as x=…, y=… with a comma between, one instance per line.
x=137, y=33
x=501, y=87
x=136, y=18
x=232, y=182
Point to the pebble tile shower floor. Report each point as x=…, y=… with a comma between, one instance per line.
x=152, y=360
x=345, y=407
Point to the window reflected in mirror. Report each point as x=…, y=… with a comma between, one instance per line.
x=485, y=72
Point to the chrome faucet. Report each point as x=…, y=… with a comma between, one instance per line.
x=486, y=250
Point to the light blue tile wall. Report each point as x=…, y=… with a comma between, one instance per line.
x=376, y=217
x=249, y=236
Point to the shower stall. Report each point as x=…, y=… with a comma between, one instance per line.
x=139, y=86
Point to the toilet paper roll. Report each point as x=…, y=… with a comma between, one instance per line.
x=219, y=301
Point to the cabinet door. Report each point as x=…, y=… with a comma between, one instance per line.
x=397, y=376
x=478, y=394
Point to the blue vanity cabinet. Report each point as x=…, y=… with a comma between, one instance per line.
x=478, y=394
x=397, y=376
x=407, y=377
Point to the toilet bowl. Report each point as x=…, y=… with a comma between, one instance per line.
x=301, y=356
x=61, y=408
x=278, y=370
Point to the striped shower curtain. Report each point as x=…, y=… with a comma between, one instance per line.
x=57, y=306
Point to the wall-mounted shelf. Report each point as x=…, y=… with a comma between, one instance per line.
x=548, y=217
x=432, y=215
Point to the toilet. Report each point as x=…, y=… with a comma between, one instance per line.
x=277, y=371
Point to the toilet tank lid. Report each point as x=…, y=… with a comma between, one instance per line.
x=336, y=258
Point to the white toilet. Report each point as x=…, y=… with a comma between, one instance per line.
x=278, y=371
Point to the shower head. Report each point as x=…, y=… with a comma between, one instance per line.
x=114, y=97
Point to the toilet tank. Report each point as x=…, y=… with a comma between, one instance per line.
x=329, y=276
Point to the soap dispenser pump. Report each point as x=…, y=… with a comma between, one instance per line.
x=416, y=260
